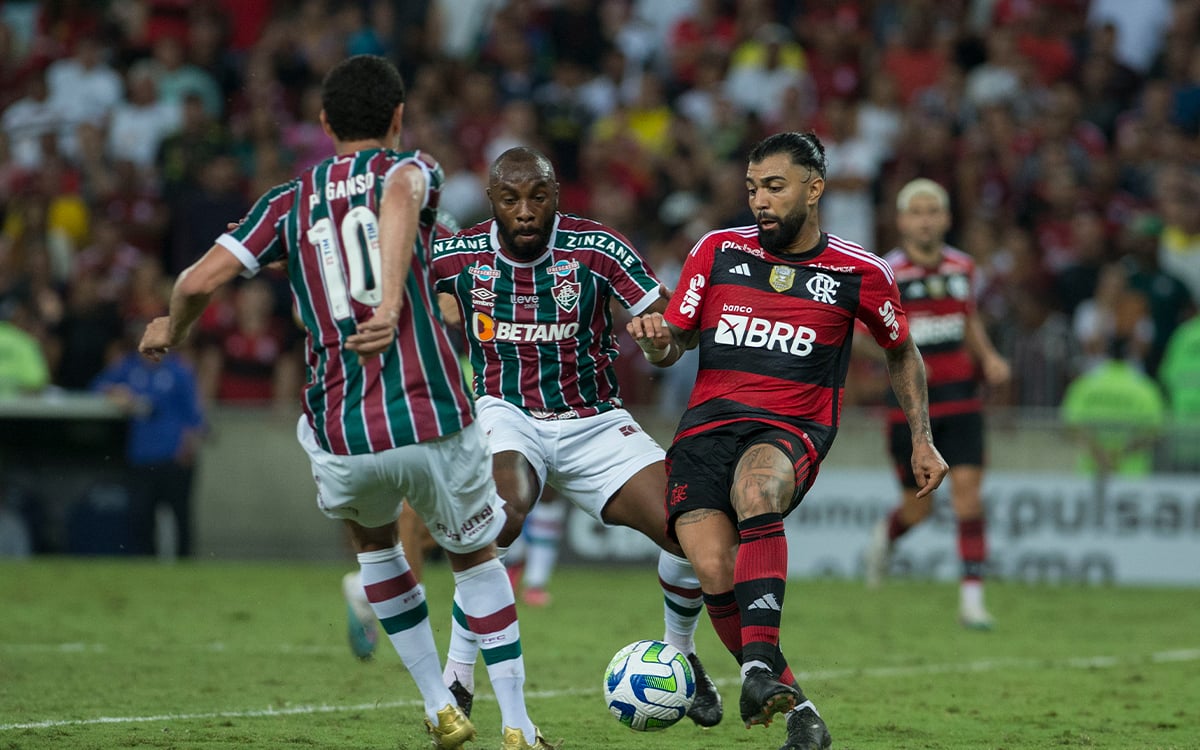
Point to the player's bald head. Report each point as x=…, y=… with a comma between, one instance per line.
x=521, y=164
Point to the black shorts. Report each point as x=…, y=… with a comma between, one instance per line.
x=958, y=437
x=700, y=467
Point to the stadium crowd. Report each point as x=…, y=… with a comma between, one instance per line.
x=1067, y=132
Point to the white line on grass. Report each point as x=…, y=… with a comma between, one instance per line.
x=982, y=665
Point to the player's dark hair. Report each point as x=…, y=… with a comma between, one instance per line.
x=804, y=149
x=359, y=96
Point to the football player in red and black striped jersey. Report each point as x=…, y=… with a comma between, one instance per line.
x=937, y=289
x=772, y=308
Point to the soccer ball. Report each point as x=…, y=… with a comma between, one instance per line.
x=649, y=685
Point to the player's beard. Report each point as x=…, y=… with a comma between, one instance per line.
x=525, y=247
x=779, y=239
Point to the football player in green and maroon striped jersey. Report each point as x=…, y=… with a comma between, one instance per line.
x=386, y=416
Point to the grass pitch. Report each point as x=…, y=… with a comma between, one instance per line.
x=101, y=653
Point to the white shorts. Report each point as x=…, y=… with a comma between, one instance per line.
x=447, y=481
x=587, y=459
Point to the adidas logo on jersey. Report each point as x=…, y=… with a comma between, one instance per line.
x=741, y=269
x=757, y=333
x=766, y=601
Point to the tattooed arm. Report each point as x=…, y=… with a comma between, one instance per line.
x=907, y=373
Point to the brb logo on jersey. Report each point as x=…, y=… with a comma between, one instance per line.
x=486, y=328
x=758, y=333
x=823, y=288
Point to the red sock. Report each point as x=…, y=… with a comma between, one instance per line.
x=972, y=547
x=759, y=578
x=726, y=619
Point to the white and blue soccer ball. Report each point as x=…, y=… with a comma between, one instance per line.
x=649, y=685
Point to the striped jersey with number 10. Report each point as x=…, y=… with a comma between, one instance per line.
x=325, y=224
x=540, y=332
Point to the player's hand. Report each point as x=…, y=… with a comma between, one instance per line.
x=996, y=370
x=649, y=331
x=928, y=467
x=374, y=335
x=156, y=341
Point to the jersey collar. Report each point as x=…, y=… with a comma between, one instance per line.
x=806, y=256
x=494, y=233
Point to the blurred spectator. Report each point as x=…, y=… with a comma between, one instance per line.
x=303, y=136
x=1138, y=28
x=164, y=435
x=249, y=361
x=1077, y=279
x=110, y=260
x=1114, y=312
x=202, y=211
x=84, y=87
x=199, y=138
x=23, y=366
x=33, y=123
x=1118, y=412
x=914, y=56
x=1041, y=349
x=1180, y=376
x=763, y=68
x=1169, y=301
x=1179, y=243
x=175, y=78
x=90, y=329
x=847, y=205
x=141, y=123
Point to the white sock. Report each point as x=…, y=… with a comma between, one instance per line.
x=683, y=600
x=460, y=659
x=970, y=595
x=543, y=530
x=490, y=610
x=752, y=664
x=399, y=603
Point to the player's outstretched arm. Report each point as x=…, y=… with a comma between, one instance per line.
x=907, y=373
x=189, y=297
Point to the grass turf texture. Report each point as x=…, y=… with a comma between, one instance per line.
x=101, y=653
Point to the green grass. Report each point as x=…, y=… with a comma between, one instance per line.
x=97, y=653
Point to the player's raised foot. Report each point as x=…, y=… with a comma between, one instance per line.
x=877, y=555
x=362, y=630
x=763, y=696
x=806, y=730
x=975, y=617
x=536, y=596
x=706, y=710
x=462, y=697
x=514, y=739
x=453, y=729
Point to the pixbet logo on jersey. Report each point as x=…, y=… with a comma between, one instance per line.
x=758, y=333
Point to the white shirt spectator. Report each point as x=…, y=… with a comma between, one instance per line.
x=1141, y=27
x=84, y=86
x=27, y=120
x=138, y=126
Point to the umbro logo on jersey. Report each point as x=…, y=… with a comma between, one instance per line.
x=741, y=269
x=483, y=296
x=766, y=601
